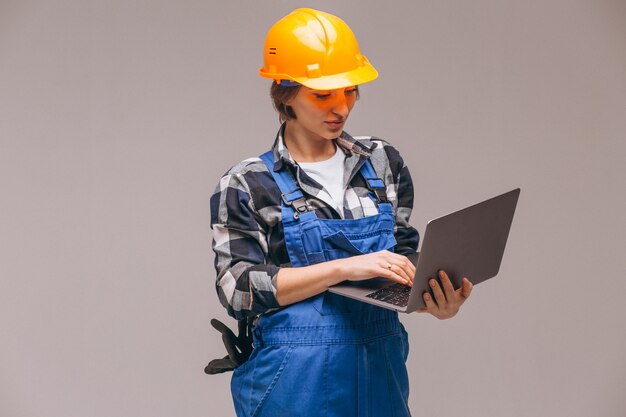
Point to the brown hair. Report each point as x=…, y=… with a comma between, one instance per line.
x=281, y=94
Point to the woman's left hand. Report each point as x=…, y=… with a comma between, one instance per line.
x=448, y=301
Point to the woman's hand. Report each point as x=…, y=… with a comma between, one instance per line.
x=447, y=302
x=384, y=264
x=297, y=284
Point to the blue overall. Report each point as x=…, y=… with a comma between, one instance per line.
x=327, y=355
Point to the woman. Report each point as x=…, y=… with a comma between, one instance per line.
x=319, y=208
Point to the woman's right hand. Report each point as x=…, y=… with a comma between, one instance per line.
x=384, y=264
x=299, y=283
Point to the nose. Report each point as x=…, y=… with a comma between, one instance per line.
x=341, y=107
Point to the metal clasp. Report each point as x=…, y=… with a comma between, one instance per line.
x=299, y=205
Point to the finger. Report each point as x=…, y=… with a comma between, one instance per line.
x=430, y=304
x=394, y=273
x=410, y=268
x=394, y=264
x=404, y=263
x=439, y=297
x=402, y=271
x=399, y=271
x=448, y=288
x=466, y=287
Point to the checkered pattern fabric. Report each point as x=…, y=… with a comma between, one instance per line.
x=248, y=237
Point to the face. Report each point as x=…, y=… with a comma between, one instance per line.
x=321, y=114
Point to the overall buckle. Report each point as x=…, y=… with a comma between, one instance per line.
x=299, y=205
x=380, y=192
x=381, y=195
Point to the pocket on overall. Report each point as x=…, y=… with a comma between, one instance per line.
x=342, y=244
x=303, y=385
x=253, y=382
x=311, y=236
x=338, y=241
x=322, y=243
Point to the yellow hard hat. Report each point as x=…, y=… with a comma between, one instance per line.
x=315, y=49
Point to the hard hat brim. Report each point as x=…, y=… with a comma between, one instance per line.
x=360, y=75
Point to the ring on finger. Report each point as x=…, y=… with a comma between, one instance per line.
x=389, y=266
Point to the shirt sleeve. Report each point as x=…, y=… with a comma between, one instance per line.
x=245, y=280
x=407, y=236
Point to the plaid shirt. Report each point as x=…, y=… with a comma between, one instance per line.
x=248, y=238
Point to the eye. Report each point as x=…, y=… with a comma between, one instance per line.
x=321, y=96
x=351, y=91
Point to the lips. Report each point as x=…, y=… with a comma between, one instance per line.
x=335, y=124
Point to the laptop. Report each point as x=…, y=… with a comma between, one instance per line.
x=466, y=243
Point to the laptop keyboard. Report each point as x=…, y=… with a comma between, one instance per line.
x=396, y=294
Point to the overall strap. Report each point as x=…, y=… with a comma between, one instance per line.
x=374, y=184
x=291, y=194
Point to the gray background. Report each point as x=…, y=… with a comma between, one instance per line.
x=117, y=118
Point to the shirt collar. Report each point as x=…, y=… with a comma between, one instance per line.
x=349, y=146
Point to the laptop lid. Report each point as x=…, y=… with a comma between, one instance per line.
x=466, y=243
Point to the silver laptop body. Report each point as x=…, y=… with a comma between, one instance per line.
x=466, y=243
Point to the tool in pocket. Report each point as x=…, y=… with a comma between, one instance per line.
x=238, y=347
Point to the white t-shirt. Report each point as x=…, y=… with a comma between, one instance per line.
x=329, y=174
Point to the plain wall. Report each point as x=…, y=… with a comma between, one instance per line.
x=117, y=119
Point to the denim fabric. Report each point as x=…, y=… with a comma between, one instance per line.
x=327, y=355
